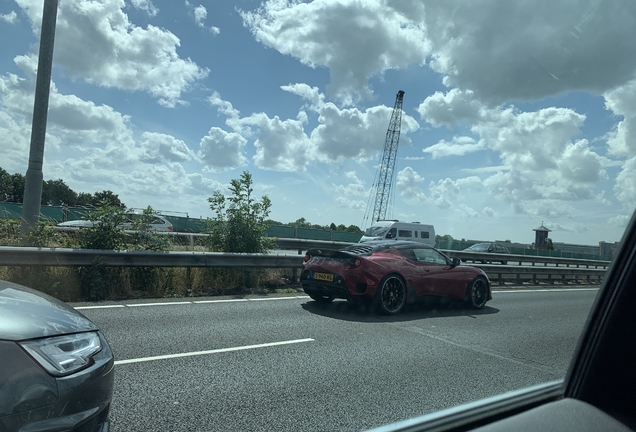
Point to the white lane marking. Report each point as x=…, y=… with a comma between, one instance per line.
x=545, y=290
x=219, y=301
x=274, y=298
x=222, y=350
x=99, y=307
x=158, y=304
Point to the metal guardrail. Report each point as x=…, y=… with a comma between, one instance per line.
x=58, y=257
x=18, y=256
x=305, y=244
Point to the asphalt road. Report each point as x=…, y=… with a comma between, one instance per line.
x=295, y=365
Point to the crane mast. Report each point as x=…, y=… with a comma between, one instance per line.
x=385, y=178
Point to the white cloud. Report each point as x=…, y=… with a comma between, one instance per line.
x=471, y=183
x=408, y=184
x=158, y=147
x=573, y=227
x=282, y=145
x=619, y=221
x=355, y=40
x=351, y=203
x=530, y=50
x=200, y=13
x=459, y=146
x=489, y=212
x=452, y=108
x=622, y=102
x=540, y=158
x=355, y=188
x=347, y=133
x=10, y=17
x=96, y=42
x=467, y=212
x=146, y=6
x=71, y=121
x=444, y=192
x=222, y=150
x=625, y=187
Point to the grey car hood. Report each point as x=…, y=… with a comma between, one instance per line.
x=27, y=314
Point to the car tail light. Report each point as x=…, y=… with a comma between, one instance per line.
x=307, y=258
x=357, y=262
x=170, y=228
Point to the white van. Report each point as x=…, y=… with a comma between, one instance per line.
x=397, y=230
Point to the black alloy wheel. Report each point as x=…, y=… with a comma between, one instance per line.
x=477, y=293
x=391, y=295
x=321, y=298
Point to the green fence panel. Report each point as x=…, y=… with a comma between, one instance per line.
x=313, y=234
x=78, y=213
x=280, y=231
x=345, y=236
x=52, y=214
x=10, y=210
x=185, y=224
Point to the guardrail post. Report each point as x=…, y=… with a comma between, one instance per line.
x=519, y=282
x=500, y=279
x=295, y=274
x=191, y=241
x=188, y=282
x=565, y=281
x=589, y=280
x=550, y=281
x=534, y=279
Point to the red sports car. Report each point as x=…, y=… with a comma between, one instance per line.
x=391, y=274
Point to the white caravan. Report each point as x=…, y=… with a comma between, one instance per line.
x=397, y=230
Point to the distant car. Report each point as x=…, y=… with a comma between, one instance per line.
x=158, y=223
x=391, y=274
x=57, y=370
x=487, y=248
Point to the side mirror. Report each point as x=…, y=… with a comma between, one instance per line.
x=456, y=262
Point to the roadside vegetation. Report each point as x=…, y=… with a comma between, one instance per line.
x=237, y=226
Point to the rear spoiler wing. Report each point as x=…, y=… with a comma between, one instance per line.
x=331, y=253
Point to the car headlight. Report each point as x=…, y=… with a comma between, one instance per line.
x=64, y=355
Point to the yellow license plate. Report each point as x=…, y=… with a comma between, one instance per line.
x=323, y=276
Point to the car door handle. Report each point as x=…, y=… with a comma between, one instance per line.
x=426, y=270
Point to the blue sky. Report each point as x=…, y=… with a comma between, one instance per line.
x=514, y=113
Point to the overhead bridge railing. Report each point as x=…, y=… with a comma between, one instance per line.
x=18, y=256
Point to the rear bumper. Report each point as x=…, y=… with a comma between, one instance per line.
x=337, y=288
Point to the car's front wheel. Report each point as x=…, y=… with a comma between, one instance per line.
x=477, y=295
x=391, y=295
x=321, y=298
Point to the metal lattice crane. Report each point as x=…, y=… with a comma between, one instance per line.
x=385, y=177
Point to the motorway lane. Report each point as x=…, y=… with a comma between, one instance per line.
x=359, y=371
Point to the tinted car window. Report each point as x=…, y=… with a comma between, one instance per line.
x=405, y=233
x=429, y=256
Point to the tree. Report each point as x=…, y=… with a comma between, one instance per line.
x=6, y=187
x=301, y=223
x=107, y=198
x=550, y=245
x=354, y=229
x=85, y=199
x=239, y=219
x=333, y=227
x=17, y=188
x=56, y=193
